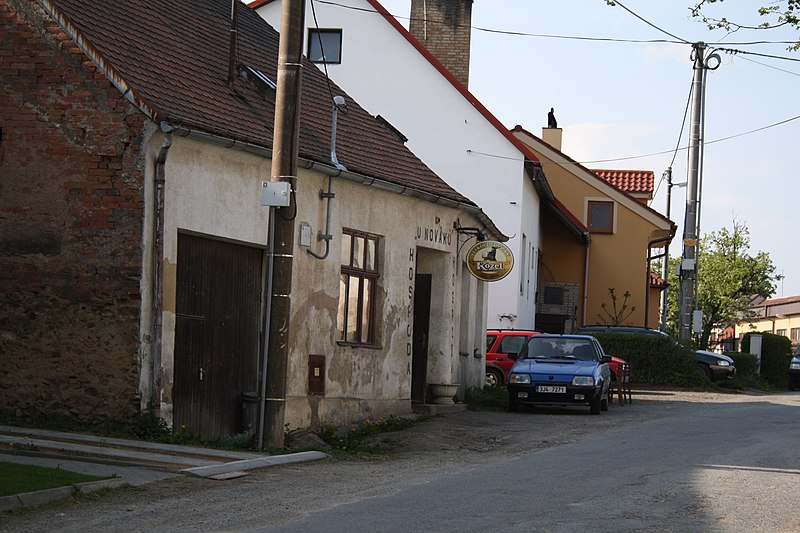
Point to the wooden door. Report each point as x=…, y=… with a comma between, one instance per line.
x=217, y=334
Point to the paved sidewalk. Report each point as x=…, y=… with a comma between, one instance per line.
x=127, y=461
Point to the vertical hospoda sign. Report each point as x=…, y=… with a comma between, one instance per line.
x=490, y=260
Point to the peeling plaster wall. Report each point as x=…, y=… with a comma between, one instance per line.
x=215, y=191
x=212, y=191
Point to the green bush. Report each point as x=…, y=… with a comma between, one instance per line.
x=746, y=364
x=775, y=357
x=655, y=359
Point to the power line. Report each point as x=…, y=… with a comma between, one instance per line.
x=677, y=40
x=617, y=3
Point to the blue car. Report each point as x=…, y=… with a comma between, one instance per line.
x=561, y=370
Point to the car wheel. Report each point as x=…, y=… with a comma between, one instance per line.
x=703, y=369
x=493, y=379
x=596, y=406
x=604, y=404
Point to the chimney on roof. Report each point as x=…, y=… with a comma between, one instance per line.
x=552, y=133
x=443, y=27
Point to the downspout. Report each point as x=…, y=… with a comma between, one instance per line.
x=650, y=244
x=585, y=282
x=158, y=267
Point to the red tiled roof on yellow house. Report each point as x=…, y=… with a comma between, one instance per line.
x=637, y=183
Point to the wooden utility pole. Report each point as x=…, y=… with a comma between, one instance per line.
x=284, y=168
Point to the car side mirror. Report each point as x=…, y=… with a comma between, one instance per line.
x=605, y=359
x=513, y=356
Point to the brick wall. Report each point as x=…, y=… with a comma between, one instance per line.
x=71, y=208
x=443, y=27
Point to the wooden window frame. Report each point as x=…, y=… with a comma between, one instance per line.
x=366, y=276
x=589, y=212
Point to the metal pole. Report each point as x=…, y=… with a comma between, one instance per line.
x=688, y=272
x=284, y=168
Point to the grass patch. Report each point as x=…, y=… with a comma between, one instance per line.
x=487, y=399
x=18, y=478
x=359, y=440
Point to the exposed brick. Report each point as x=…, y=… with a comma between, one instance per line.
x=70, y=251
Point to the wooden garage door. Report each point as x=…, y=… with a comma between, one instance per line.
x=218, y=298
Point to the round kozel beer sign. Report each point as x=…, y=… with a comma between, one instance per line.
x=490, y=260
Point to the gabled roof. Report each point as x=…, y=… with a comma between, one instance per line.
x=171, y=60
x=591, y=177
x=631, y=181
x=442, y=70
x=539, y=179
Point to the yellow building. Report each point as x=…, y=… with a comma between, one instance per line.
x=622, y=235
x=780, y=316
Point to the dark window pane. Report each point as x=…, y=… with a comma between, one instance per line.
x=325, y=46
x=601, y=216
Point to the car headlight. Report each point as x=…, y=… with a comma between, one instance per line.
x=723, y=362
x=519, y=378
x=795, y=365
x=583, y=381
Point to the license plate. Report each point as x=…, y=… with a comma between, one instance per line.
x=551, y=388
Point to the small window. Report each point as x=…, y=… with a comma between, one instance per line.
x=796, y=334
x=601, y=217
x=780, y=332
x=325, y=46
x=357, y=288
x=554, y=295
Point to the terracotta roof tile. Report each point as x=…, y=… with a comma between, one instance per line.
x=632, y=181
x=174, y=56
x=779, y=301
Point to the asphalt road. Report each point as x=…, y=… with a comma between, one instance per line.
x=676, y=463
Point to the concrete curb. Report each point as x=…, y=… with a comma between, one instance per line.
x=250, y=464
x=39, y=497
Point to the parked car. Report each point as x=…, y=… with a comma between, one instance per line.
x=714, y=365
x=794, y=371
x=560, y=370
x=503, y=347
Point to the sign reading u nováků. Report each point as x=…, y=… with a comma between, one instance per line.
x=490, y=260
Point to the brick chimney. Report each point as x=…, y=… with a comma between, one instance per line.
x=443, y=27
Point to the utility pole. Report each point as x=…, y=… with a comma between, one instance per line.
x=285, y=149
x=690, y=237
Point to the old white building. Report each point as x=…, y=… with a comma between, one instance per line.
x=418, y=83
x=156, y=273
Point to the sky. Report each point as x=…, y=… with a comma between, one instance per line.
x=620, y=102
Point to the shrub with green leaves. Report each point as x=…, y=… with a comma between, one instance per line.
x=655, y=359
x=775, y=357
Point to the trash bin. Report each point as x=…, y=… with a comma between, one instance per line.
x=250, y=404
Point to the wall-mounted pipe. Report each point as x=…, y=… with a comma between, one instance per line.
x=363, y=179
x=157, y=265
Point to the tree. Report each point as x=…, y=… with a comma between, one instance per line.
x=776, y=14
x=728, y=279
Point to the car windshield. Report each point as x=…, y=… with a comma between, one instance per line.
x=566, y=348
